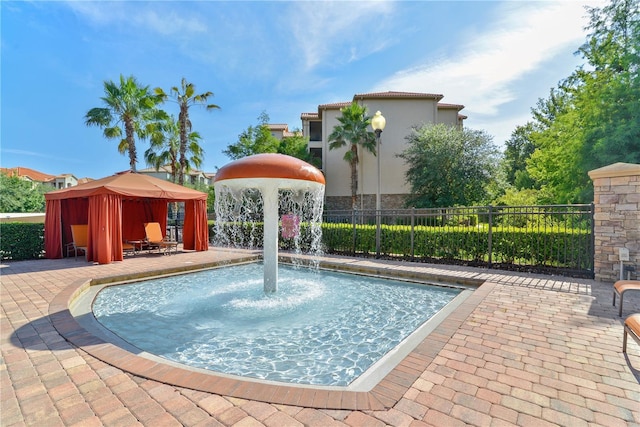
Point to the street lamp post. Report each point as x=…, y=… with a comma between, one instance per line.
x=378, y=123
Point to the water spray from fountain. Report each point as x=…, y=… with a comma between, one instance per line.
x=281, y=192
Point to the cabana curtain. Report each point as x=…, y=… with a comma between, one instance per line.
x=53, y=229
x=115, y=209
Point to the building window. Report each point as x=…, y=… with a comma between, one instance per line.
x=316, y=154
x=315, y=131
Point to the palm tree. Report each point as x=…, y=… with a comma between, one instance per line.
x=353, y=130
x=185, y=97
x=165, y=147
x=128, y=105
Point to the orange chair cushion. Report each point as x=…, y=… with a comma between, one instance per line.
x=626, y=285
x=633, y=322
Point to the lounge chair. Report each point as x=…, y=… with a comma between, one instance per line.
x=631, y=327
x=155, y=238
x=622, y=286
x=128, y=247
x=79, y=237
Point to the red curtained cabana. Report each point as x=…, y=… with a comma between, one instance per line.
x=115, y=209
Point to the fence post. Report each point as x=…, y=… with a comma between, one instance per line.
x=593, y=239
x=490, y=237
x=353, y=222
x=378, y=220
x=413, y=224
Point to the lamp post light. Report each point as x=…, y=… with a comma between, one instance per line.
x=378, y=122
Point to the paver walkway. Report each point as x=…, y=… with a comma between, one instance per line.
x=533, y=350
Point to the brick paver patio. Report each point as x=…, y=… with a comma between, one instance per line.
x=522, y=350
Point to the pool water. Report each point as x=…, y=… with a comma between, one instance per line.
x=320, y=327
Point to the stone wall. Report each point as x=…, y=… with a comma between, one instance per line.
x=617, y=218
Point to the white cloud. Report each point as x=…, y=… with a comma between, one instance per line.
x=161, y=20
x=171, y=23
x=334, y=29
x=502, y=127
x=493, y=73
x=481, y=75
x=40, y=154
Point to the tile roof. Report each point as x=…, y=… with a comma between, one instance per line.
x=278, y=126
x=388, y=95
x=334, y=105
x=167, y=169
x=32, y=174
x=164, y=168
x=394, y=94
x=372, y=95
x=443, y=106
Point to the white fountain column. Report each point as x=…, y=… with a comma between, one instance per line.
x=270, y=238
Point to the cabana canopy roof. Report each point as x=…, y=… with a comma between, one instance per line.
x=129, y=184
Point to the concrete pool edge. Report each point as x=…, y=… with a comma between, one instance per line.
x=388, y=391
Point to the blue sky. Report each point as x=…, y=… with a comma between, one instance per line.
x=285, y=58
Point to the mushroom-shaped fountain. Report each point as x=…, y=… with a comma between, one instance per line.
x=269, y=173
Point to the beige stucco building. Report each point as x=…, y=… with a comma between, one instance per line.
x=64, y=180
x=280, y=131
x=402, y=111
x=193, y=176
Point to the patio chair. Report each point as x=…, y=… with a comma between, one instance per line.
x=622, y=286
x=128, y=248
x=79, y=237
x=631, y=327
x=155, y=238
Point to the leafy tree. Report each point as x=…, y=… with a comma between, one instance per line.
x=258, y=139
x=513, y=197
x=297, y=146
x=211, y=198
x=209, y=189
x=185, y=97
x=593, y=118
x=447, y=166
x=254, y=140
x=518, y=149
x=353, y=132
x=130, y=106
x=20, y=196
x=610, y=89
x=556, y=163
x=165, y=147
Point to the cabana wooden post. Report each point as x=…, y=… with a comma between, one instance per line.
x=115, y=209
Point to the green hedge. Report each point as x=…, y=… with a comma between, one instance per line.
x=557, y=248
x=20, y=241
x=519, y=246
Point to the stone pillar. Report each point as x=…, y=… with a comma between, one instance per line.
x=617, y=218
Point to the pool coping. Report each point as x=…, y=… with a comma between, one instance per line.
x=385, y=394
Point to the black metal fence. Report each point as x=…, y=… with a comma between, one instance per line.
x=556, y=239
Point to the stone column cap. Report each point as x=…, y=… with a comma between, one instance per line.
x=615, y=170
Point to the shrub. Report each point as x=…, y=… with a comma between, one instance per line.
x=21, y=241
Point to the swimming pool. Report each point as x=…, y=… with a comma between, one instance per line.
x=320, y=328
